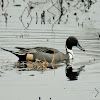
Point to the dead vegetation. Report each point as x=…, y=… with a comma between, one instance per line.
x=37, y=65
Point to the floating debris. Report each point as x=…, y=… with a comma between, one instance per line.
x=32, y=75
x=37, y=65
x=17, y=5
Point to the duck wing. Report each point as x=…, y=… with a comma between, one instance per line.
x=46, y=50
x=38, y=49
x=26, y=50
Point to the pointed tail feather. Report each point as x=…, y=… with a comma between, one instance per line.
x=7, y=50
x=21, y=56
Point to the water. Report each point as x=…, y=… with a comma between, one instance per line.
x=52, y=83
x=88, y=39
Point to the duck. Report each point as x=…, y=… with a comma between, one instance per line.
x=46, y=53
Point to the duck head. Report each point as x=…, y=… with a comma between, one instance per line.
x=73, y=41
x=70, y=42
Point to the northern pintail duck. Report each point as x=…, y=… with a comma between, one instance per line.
x=41, y=53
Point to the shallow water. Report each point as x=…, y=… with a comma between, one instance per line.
x=52, y=84
x=88, y=39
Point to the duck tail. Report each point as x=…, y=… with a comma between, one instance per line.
x=21, y=56
x=7, y=50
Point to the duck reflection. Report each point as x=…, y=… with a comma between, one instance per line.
x=71, y=73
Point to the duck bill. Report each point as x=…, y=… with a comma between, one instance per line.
x=78, y=46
